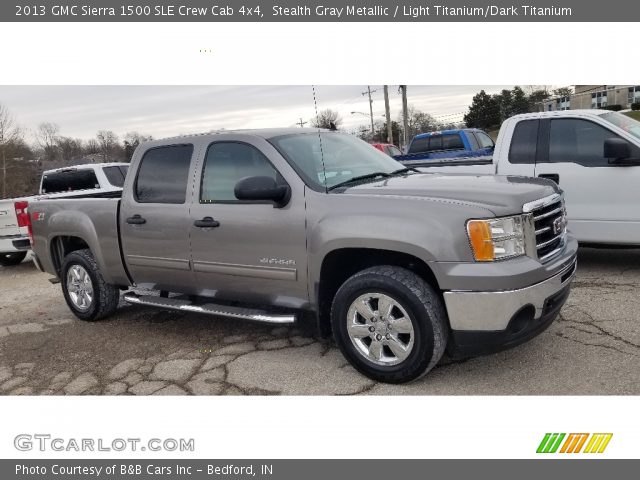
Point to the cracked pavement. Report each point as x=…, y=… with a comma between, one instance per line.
x=592, y=348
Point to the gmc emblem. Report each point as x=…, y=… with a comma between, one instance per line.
x=559, y=224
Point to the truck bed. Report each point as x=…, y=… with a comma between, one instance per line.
x=470, y=165
x=93, y=221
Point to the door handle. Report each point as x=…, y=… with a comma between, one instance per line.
x=207, y=222
x=136, y=220
x=551, y=176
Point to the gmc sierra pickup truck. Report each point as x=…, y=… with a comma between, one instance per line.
x=81, y=181
x=268, y=225
x=594, y=155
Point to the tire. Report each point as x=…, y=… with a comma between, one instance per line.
x=405, y=343
x=9, y=259
x=81, y=275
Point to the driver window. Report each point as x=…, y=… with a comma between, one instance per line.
x=573, y=140
x=225, y=165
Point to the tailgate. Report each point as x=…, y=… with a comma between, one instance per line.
x=8, y=220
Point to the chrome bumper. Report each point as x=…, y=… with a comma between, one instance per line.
x=492, y=311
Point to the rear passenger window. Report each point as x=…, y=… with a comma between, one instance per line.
x=485, y=140
x=419, y=145
x=524, y=142
x=115, y=175
x=226, y=164
x=452, y=142
x=163, y=174
x=473, y=141
x=435, y=143
x=70, y=180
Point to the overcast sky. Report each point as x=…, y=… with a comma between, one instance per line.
x=163, y=111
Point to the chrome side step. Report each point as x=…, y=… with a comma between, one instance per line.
x=209, y=309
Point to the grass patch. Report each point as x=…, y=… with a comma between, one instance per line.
x=635, y=115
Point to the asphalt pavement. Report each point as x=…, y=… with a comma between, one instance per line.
x=592, y=348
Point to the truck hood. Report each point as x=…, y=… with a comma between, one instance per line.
x=500, y=194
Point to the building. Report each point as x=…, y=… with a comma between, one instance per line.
x=594, y=96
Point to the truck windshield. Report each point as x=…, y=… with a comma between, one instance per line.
x=628, y=124
x=326, y=159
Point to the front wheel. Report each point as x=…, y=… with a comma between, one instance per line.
x=390, y=324
x=87, y=294
x=9, y=259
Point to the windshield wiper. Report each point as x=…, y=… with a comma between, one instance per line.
x=404, y=170
x=361, y=177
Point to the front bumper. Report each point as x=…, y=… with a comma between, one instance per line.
x=484, y=322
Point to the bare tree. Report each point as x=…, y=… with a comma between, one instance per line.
x=327, y=119
x=9, y=131
x=47, y=136
x=107, y=141
x=9, y=134
x=91, y=146
x=131, y=142
x=419, y=122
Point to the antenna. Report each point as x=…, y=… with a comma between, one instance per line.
x=324, y=170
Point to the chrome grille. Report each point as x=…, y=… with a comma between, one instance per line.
x=549, y=223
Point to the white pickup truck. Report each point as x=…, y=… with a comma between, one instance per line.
x=91, y=180
x=594, y=156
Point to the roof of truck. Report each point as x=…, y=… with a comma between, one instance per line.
x=258, y=132
x=563, y=113
x=83, y=166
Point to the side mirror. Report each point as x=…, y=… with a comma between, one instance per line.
x=616, y=149
x=262, y=189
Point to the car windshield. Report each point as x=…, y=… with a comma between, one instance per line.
x=628, y=124
x=327, y=159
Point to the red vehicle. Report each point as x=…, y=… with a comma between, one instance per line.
x=388, y=148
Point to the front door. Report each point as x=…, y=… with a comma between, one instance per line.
x=601, y=198
x=154, y=220
x=250, y=251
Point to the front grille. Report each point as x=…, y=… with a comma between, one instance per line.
x=550, y=225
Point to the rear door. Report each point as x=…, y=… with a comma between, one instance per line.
x=154, y=219
x=517, y=153
x=601, y=198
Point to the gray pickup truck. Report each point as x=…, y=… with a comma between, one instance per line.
x=268, y=225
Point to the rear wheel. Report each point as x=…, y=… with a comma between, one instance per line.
x=9, y=259
x=87, y=294
x=390, y=324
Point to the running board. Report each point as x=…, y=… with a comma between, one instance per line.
x=209, y=309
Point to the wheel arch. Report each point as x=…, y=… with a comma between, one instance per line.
x=340, y=264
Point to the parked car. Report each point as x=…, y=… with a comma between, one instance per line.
x=388, y=148
x=467, y=142
x=99, y=180
x=269, y=225
x=594, y=155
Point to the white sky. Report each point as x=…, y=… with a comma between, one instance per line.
x=163, y=111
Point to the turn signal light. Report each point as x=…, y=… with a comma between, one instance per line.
x=481, y=240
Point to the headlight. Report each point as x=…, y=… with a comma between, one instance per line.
x=496, y=238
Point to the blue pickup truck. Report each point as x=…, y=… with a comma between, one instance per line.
x=462, y=143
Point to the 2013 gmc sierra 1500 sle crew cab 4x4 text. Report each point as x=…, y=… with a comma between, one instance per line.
x=269, y=224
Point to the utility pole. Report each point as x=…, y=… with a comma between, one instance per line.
x=369, y=92
x=4, y=173
x=387, y=111
x=301, y=123
x=405, y=119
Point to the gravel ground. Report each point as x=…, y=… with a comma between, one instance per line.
x=593, y=348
